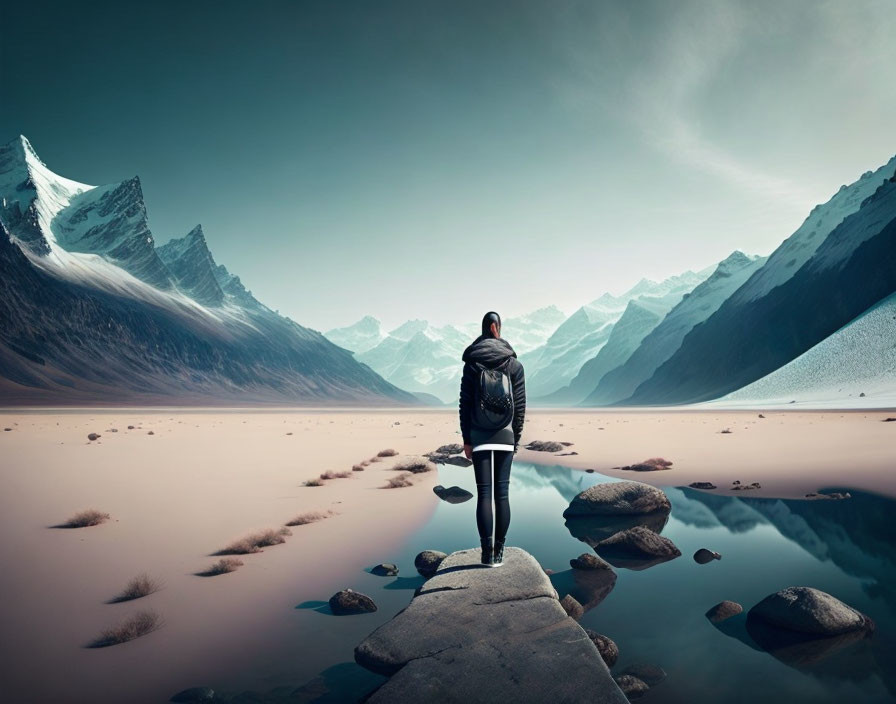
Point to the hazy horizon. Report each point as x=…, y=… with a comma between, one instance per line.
x=354, y=159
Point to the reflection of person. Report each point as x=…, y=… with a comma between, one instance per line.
x=492, y=450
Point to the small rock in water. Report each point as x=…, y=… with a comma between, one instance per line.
x=703, y=556
x=650, y=465
x=832, y=495
x=349, y=601
x=572, y=607
x=631, y=687
x=428, y=561
x=385, y=569
x=638, y=542
x=194, y=694
x=723, y=610
x=545, y=446
x=650, y=674
x=93, y=436
x=452, y=494
x=590, y=471
x=702, y=485
x=618, y=499
x=607, y=648
x=862, y=395
x=588, y=561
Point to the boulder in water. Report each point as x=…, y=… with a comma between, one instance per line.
x=703, y=556
x=618, y=498
x=428, y=561
x=637, y=544
x=452, y=494
x=810, y=611
x=588, y=561
x=724, y=610
x=605, y=645
x=349, y=601
x=631, y=687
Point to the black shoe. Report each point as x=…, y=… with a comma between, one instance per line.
x=498, y=553
x=487, y=551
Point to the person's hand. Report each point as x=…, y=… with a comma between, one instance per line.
x=468, y=451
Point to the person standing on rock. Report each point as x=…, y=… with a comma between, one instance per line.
x=492, y=409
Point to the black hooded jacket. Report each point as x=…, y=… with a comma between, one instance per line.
x=491, y=352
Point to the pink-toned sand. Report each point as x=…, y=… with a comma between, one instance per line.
x=206, y=478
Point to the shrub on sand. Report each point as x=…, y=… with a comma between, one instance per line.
x=139, y=586
x=309, y=517
x=256, y=541
x=314, y=482
x=387, y=453
x=222, y=566
x=416, y=465
x=357, y=467
x=364, y=463
x=375, y=458
x=134, y=626
x=399, y=481
x=331, y=474
x=91, y=517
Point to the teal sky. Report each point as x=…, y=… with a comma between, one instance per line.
x=436, y=160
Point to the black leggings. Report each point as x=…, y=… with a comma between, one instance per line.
x=482, y=467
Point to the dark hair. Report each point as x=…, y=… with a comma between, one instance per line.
x=488, y=319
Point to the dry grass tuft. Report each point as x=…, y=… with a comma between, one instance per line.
x=222, y=566
x=256, y=541
x=91, y=517
x=387, y=453
x=399, y=481
x=134, y=626
x=314, y=482
x=357, y=467
x=331, y=474
x=364, y=463
x=416, y=465
x=375, y=459
x=139, y=586
x=309, y=517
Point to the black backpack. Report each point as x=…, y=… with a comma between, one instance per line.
x=492, y=397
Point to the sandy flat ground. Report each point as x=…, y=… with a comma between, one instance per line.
x=205, y=478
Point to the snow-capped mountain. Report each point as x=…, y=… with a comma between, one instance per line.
x=425, y=358
x=856, y=366
x=660, y=343
x=793, y=301
x=93, y=312
x=581, y=336
x=358, y=337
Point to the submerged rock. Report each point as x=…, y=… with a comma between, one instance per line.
x=832, y=495
x=618, y=498
x=572, y=607
x=703, y=556
x=632, y=687
x=605, y=645
x=651, y=675
x=468, y=622
x=630, y=548
x=349, y=601
x=588, y=561
x=724, y=610
x=810, y=611
x=428, y=561
x=385, y=569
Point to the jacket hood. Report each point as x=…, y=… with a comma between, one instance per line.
x=489, y=351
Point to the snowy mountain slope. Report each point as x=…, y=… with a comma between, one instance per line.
x=746, y=339
x=859, y=358
x=581, y=336
x=74, y=218
x=529, y=331
x=797, y=249
x=641, y=315
x=79, y=327
x=193, y=267
x=661, y=342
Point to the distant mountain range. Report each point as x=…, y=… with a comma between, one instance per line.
x=93, y=312
x=747, y=331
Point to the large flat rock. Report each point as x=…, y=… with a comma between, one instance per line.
x=482, y=634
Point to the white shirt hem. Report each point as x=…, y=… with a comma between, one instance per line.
x=493, y=446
